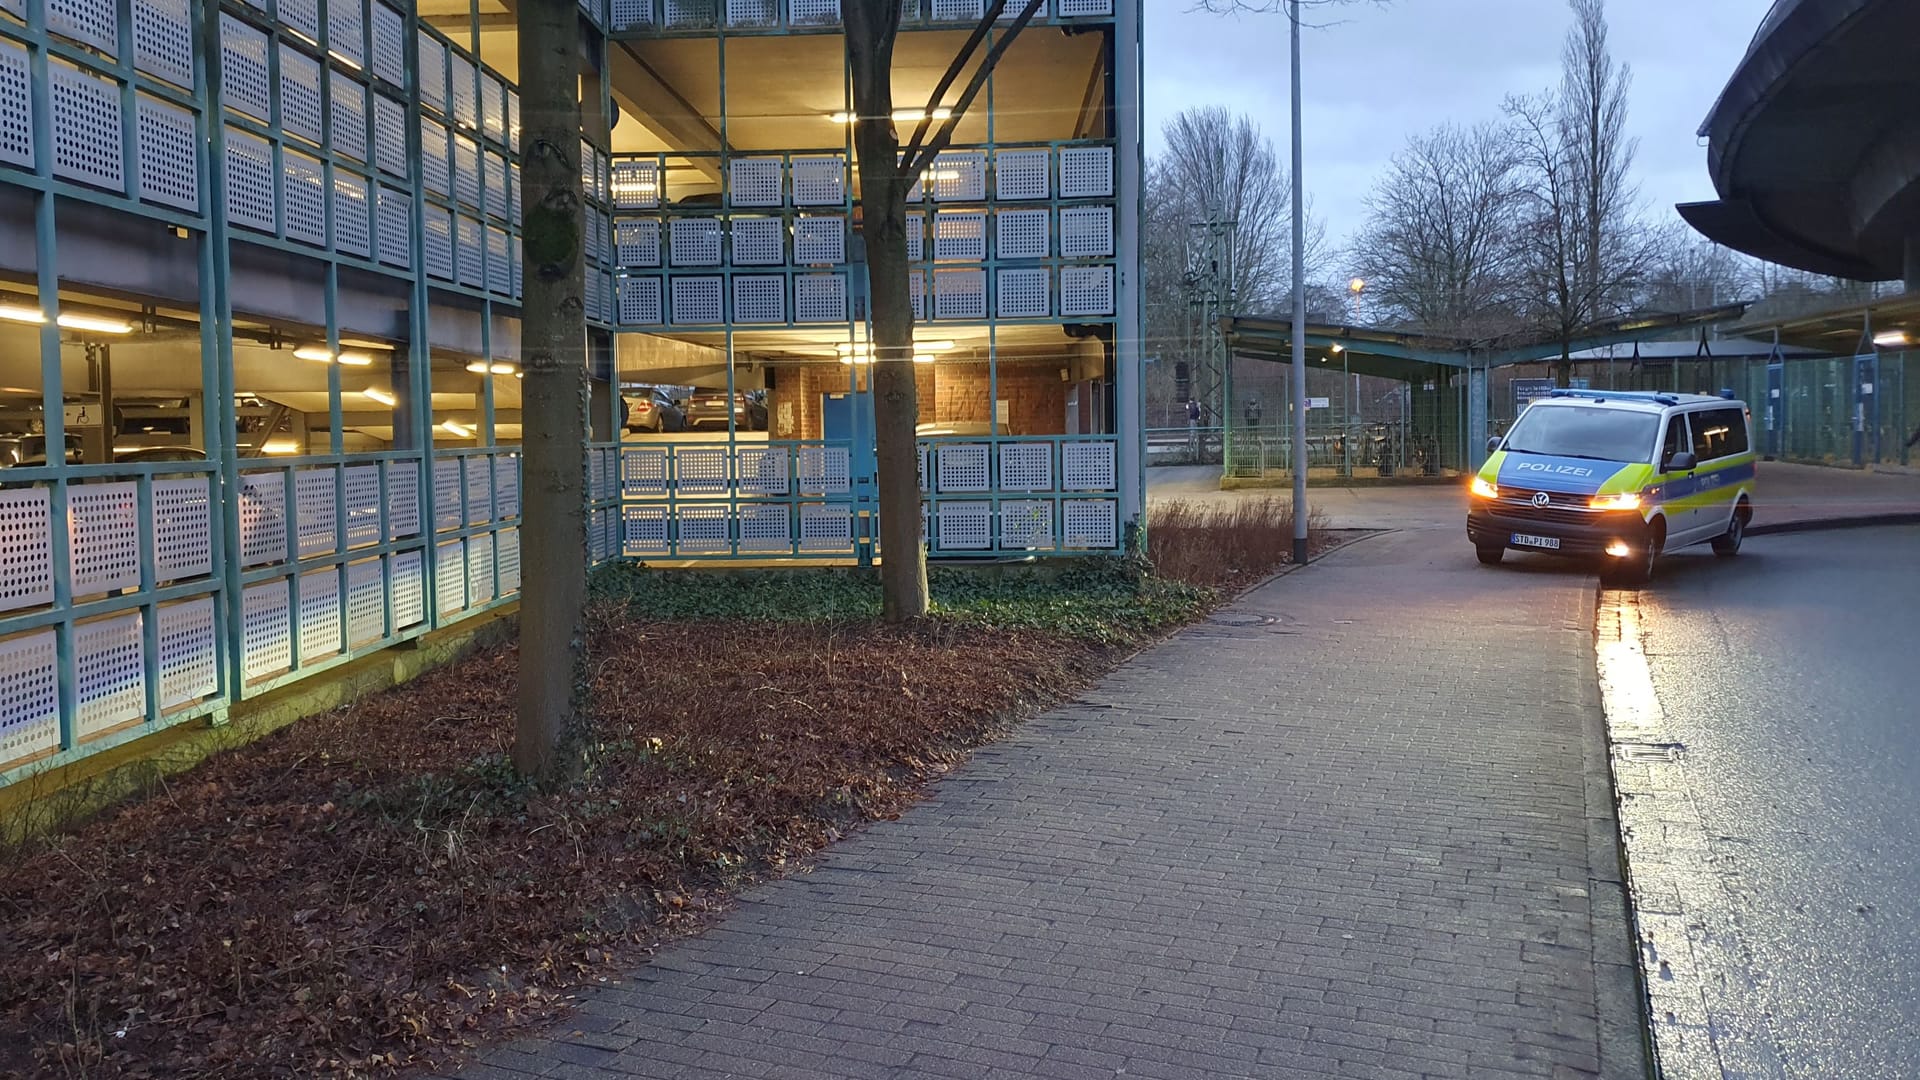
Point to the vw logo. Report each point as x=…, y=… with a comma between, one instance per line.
x=1541, y=498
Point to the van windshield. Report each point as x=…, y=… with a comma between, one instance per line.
x=1585, y=432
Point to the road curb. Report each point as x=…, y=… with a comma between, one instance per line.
x=1859, y=521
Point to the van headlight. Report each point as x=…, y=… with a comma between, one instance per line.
x=1483, y=487
x=1619, y=500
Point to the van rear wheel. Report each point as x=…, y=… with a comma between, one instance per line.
x=1727, y=544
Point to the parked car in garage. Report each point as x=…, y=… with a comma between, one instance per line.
x=654, y=411
x=710, y=408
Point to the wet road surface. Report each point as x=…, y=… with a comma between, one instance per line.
x=1791, y=677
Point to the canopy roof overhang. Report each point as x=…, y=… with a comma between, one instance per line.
x=1812, y=145
x=1407, y=356
x=1845, y=329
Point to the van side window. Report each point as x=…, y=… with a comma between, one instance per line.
x=1719, y=433
x=1676, y=440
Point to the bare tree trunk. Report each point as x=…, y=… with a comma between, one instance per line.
x=549, y=735
x=871, y=29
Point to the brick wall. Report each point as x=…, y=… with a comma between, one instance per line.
x=950, y=392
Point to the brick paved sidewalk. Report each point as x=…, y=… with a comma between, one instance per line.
x=1341, y=830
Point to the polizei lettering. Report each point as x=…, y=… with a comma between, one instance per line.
x=1557, y=470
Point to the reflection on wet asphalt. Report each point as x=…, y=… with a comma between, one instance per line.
x=1791, y=677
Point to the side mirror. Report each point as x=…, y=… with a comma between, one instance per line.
x=1493, y=443
x=1684, y=461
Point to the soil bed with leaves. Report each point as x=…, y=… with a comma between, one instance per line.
x=372, y=888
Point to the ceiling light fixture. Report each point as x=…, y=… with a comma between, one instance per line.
x=99, y=324
x=384, y=397
x=900, y=116
x=280, y=447
x=21, y=313
x=498, y=367
x=457, y=429
x=320, y=354
x=1890, y=339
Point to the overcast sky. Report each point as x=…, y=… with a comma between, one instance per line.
x=1380, y=73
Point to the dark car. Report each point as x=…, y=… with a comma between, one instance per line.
x=654, y=411
x=31, y=450
x=710, y=408
x=160, y=453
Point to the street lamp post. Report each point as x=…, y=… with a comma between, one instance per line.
x=1299, y=312
x=1354, y=434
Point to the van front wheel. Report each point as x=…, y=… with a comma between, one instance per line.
x=1490, y=554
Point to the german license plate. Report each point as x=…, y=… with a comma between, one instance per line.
x=1551, y=543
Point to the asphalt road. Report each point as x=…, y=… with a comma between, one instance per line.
x=1792, y=677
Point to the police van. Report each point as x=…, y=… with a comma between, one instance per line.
x=1618, y=475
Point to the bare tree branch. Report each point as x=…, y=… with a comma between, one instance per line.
x=916, y=165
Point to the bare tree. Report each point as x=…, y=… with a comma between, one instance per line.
x=1583, y=248
x=551, y=719
x=1438, y=250
x=1688, y=272
x=887, y=172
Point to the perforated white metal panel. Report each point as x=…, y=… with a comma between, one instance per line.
x=16, y=148
x=909, y=11
x=644, y=472
x=431, y=69
x=1026, y=524
x=1013, y=8
x=447, y=510
x=469, y=241
x=506, y=486
x=477, y=478
x=640, y=301
x=163, y=40
x=1021, y=174
x=513, y=195
x=513, y=119
x=409, y=589
x=753, y=12
x=95, y=22
x=300, y=95
x=480, y=568
x=390, y=136
x=820, y=298
x=1087, y=466
x=686, y=14
x=596, y=298
x=493, y=108
x=917, y=292
x=263, y=518
x=964, y=467
x=86, y=128
x=694, y=242
x=820, y=181
x=636, y=184
x=762, y=470
x=466, y=171
x=1090, y=523
x=250, y=181
x=347, y=30
x=110, y=684
x=363, y=505
x=366, y=603
x=957, y=10
x=189, y=665
x=26, y=552
x=1023, y=293
x=266, y=629
x=403, y=499
x=1086, y=232
x=169, y=154
x=1022, y=234
x=499, y=176
x=645, y=530
x=316, y=507
x=1026, y=466
x=302, y=16
x=759, y=241
x=964, y=526
x=825, y=527
x=704, y=529
x=499, y=273
x=435, y=160
x=1074, y=9
x=396, y=225
x=960, y=294
x=29, y=695
x=637, y=243
x=766, y=527
x=507, y=559
x=754, y=182
x=820, y=241
x=103, y=537
x=593, y=235
x=1086, y=290
x=461, y=83
x=960, y=177
x=182, y=544
x=759, y=298
x=389, y=45
x=513, y=263
x=244, y=85
x=450, y=577
x=628, y=14
x=696, y=300
x=348, y=129
x=916, y=236
x=1086, y=172
x=303, y=198
x=352, y=225
x=320, y=622
x=960, y=236
x=822, y=470
x=437, y=234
